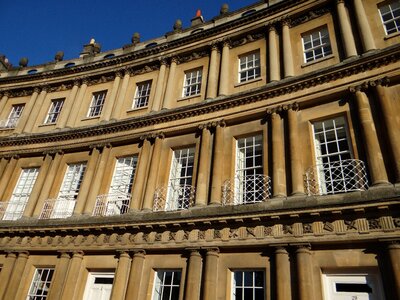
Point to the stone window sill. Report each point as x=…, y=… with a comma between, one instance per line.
x=248, y=81
x=138, y=109
x=47, y=124
x=91, y=118
x=317, y=61
x=392, y=35
x=189, y=97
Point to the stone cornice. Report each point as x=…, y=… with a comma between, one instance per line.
x=287, y=86
x=378, y=222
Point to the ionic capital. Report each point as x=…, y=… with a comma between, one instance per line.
x=359, y=88
x=381, y=81
x=292, y=106
x=274, y=110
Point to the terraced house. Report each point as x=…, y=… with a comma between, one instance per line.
x=255, y=155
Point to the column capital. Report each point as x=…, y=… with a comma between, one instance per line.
x=381, y=81
x=123, y=253
x=286, y=21
x=85, y=80
x=139, y=253
x=24, y=254
x=303, y=248
x=76, y=82
x=359, y=88
x=100, y=146
x=53, y=152
x=274, y=110
x=152, y=136
x=175, y=59
x=43, y=88
x=292, y=106
x=226, y=43
x=64, y=254
x=195, y=251
x=119, y=74
x=77, y=253
x=11, y=253
x=340, y=1
x=36, y=89
x=214, y=45
x=163, y=61
x=212, y=251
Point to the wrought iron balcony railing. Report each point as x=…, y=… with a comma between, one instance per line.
x=174, y=198
x=112, y=204
x=60, y=208
x=246, y=189
x=11, y=210
x=336, y=177
x=8, y=123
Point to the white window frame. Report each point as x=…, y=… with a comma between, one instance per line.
x=317, y=43
x=180, y=178
x=160, y=285
x=341, y=139
x=124, y=173
x=97, y=103
x=142, y=95
x=91, y=282
x=393, y=10
x=370, y=278
x=54, y=111
x=14, y=116
x=21, y=193
x=192, y=83
x=69, y=190
x=248, y=150
x=249, y=66
x=242, y=287
x=41, y=284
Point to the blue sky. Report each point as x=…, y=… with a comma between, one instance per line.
x=37, y=29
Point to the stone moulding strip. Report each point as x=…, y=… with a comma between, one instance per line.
x=354, y=229
x=372, y=61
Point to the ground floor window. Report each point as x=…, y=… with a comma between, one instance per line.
x=248, y=285
x=99, y=286
x=167, y=284
x=359, y=286
x=40, y=284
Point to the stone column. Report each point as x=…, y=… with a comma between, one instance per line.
x=3, y=101
x=193, y=276
x=121, y=276
x=274, y=67
x=295, y=151
x=4, y=160
x=27, y=112
x=282, y=274
x=72, y=278
x=6, y=272
x=204, y=166
x=48, y=183
x=304, y=274
x=287, y=50
x=345, y=30
x=140, y=177
x=108, y=105
x=367, y=38
x=118, y=105
x=40, y=180
x=394, y=262
x=225, y=70
x=212, y=84
x=211, y=274
x=5, y=179
x=18, y=271
x=169, y=92
x=217, y=163
x=32, y=116
x=59, y=276
x=135, y=275
x=102, y=164
x=74, y=112
x=87, y=179
x=373, y=151
x=160, y=85
x=153, y=173
x=278, y=155
x=392, y=126
x=67, y=106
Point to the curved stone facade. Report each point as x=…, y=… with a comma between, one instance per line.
x=255, y=153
